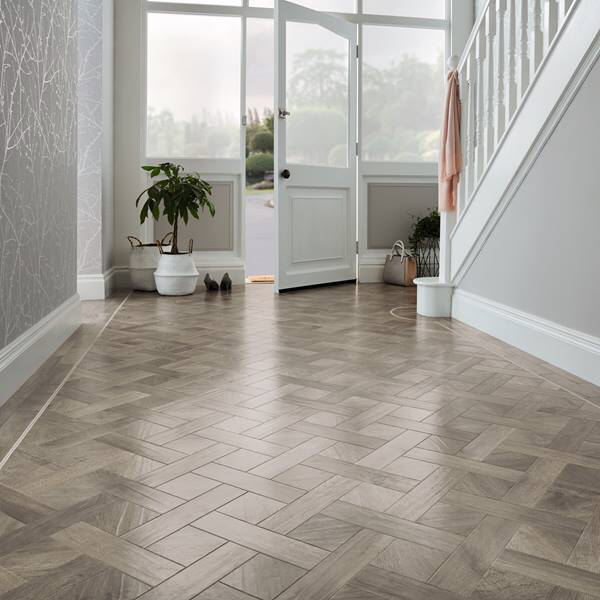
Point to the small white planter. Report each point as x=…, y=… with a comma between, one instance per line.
x=176, y=275
x=143, y=261
x=434, y=299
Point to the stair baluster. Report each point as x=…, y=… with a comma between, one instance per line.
x=490, y=32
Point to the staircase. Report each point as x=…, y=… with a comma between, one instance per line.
x=523, y=62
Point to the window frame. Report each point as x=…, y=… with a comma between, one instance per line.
x=245, y=11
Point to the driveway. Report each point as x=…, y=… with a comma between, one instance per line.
x=260, y=235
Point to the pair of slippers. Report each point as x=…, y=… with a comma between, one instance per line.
x=213, y=286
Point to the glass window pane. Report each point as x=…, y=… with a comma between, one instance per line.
x=260, y=73
x=194, y=66
x=213, y=2
x=431, y=9
x=403, y=93
x=317, y=96
x=344, y=6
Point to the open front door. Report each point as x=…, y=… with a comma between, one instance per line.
x=315, y=145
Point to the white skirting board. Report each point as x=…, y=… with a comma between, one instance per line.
x=370, y=267
x=25, y=355
x=568, y=349
x=120, y=275
x=96, y=287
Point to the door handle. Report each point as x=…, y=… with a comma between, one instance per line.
x=283, y=113
x=286, y=174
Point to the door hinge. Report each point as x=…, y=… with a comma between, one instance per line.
x=356, y=246
x=357, y=149
x=244, y=121
x=357, y=51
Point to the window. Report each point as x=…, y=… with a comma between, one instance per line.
x=194, y=81
x=433, y=9
x=194, y=74
x=260, y=68
x=403, y=91
x=317, y=96
x=342, y=6
x=213, y=2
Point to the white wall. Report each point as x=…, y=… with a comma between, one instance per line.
x=95, y=220
x=128, y=72
x=543, y=258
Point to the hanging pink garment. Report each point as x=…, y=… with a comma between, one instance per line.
x=450, y=164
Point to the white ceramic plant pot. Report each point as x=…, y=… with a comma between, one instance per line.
x=176, y=275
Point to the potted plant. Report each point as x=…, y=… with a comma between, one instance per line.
x=181, y=195
x=425, y=244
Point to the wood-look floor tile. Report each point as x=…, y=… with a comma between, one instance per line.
x=188, y=486
x=169, y=522
x=504, y=585
x=118, y=553
x=200, y=575
x=283, y=445
x=220, y=591
x=187, y=545
x=251, y=508
x=244, y=460
x=372, y=496
x=410, y=559
x=544, y=542
x=425, y=495
x=393, y=526
x=338, y=568
x=324, y=532
x=452, y=518
x=303, y=477
x=565, y=576
x=376, y=583
x=251, y=483
x=365, y=474
x=264, y=577
x=464, y=569
x=586, y=554
x=522, y=514
x=262, y=540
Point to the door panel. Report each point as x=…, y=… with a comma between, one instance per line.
x=315, y=144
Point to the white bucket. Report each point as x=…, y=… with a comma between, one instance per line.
x=143, y=261
x=434, y=299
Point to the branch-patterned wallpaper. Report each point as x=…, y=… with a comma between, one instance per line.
x=38, y=161
x=90, y=18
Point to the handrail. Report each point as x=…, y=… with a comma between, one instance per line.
x=472, y=36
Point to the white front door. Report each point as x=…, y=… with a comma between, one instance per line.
x=315, y=147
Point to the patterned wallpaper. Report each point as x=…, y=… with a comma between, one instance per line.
x=89, y=136
x=38, y=184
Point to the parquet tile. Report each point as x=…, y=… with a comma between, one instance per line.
x=309, y=446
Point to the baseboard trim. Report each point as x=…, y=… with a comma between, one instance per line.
x=96, y=287
x=370, y=268
x=237, y=272
x=25, y=355
x=568, y=349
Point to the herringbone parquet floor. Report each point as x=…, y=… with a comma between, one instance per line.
x=307, y=446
